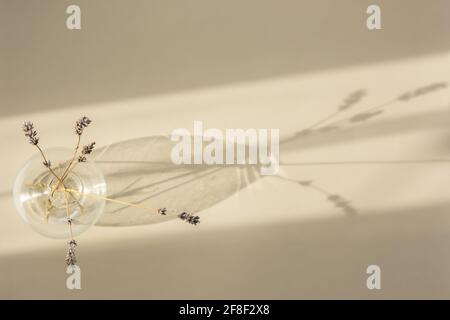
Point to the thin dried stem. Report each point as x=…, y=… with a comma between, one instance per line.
x=69, y=220
x=46, y=161
x=191, y=219
x=119, y=201
x=71, y=258
x=60, y=181
x=67, y=170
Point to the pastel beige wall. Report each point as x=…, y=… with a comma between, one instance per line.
x=127, y=49
x=143, y=68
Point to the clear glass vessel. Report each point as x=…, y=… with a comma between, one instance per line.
x=46, y=207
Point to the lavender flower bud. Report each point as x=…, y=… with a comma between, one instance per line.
x=71, y=258
x=30, y=132
x=81, y=124
x=191, y=219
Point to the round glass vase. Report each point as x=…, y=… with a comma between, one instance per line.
x=46, y=203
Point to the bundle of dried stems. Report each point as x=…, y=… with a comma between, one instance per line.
x=80, y=157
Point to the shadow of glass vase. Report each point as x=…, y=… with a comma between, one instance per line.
x=141, y=171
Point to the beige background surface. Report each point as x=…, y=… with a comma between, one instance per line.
x=143, y=68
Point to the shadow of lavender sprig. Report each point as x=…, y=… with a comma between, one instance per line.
x=336, y=200
x=366, y=115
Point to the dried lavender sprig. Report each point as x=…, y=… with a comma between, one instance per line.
x=71, y=258
x=162, y=211
x=87, y=149
x=82, y=123
x=194, y=220
x=30, y=132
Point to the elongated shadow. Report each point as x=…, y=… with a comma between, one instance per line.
x=141, y=171
x=374, y=162
x=347, y=127
x=336, y=200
